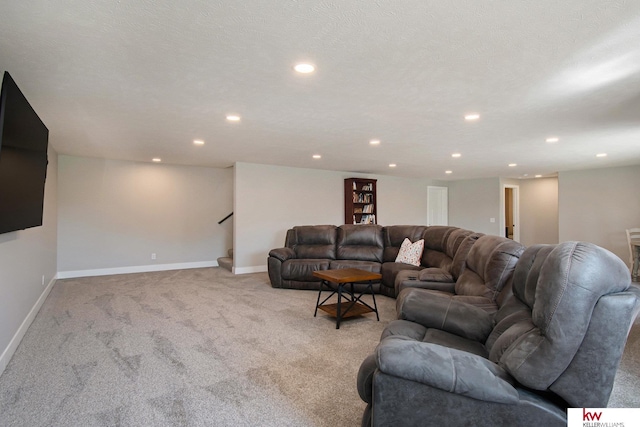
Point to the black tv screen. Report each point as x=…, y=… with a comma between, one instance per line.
x=23, y=160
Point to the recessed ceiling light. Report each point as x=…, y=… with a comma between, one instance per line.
x=198, y=142
x=233, y=117
x=392, y=165
x=513, y=165
x=317, y=156
x=601, y=155
x=304, y=68
x=456, y=155
x=374, y=142
x=538, y=176
x=552, y=139
x=156, y=159
x=448, y=172
x=472, y=116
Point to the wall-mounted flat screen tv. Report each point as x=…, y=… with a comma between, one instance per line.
x=23, y=160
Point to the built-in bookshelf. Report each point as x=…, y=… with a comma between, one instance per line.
x=360, y=201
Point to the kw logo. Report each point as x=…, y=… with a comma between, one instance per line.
x=590, y=416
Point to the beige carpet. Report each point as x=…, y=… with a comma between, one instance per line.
x=186, y=348
x=199, y=348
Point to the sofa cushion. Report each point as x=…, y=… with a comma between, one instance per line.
x=489, y=266
x=389, y=271
x=416, y=331
x=454, y=240
x=394, y=235
x=433, y=274
x=315, y=241
x=410, y=253
x=360, y=242
x=441, y=245
x=374, y=267
x=435, y=236
x=302, y=269
x=462, y=252
x=432, y=258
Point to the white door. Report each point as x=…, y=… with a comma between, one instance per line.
x=437, y=205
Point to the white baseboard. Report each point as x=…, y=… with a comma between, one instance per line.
x=253, y=269
x=7, y=354
x=135, y=269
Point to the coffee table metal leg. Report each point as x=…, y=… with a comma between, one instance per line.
x=375, y=306
x=318, y=301
x=339, y=313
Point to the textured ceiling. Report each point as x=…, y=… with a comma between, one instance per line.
x=136, y=80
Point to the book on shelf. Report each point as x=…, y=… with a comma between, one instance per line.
x=368, y=219
x=361, y=198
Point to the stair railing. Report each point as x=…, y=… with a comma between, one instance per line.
x=225, y=218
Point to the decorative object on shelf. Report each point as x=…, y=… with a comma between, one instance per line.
x=360, y=201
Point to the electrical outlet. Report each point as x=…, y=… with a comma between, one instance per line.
x=153, y=255
x=492, y=220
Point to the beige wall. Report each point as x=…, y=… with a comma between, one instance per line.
x=597, y=205
x=115, y=214
x=472, y=204
x=26, y=257
x=538, y=211
x=271, y=199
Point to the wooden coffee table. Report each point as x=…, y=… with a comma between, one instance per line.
x=341, y=282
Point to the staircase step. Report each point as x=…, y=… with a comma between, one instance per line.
x=226, y=263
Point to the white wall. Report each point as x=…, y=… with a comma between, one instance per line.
x=472, y=204
x=114, y=214
x=271, y=199
x=538, y=211
x=597, y=205
x=25, y=257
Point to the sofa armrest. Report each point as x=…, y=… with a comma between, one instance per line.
x=433, y=274
x=435, y=310
x=282, y=254
x=427, y=278
x=365, y=378
x=447, y=369
x=448, y=288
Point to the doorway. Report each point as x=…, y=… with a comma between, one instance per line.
x=511, y=212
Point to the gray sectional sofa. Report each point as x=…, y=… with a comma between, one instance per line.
x=487, y=332
x=555, y=342
x=454, y=260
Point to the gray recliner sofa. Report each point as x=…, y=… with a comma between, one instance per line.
x=369, y=247
x=322, y=247
x=555, y=342
x=440, y=246
x=482, y=267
